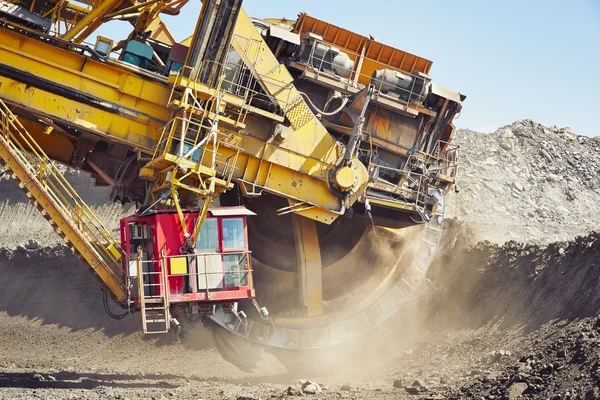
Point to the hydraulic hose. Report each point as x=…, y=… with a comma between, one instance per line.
x=329, y=114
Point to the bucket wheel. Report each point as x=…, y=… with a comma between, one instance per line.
x=325, y=286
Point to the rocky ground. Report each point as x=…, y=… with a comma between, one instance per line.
x=513, y=313
x=527, y=182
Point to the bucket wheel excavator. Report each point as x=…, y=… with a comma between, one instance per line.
x=290, y=175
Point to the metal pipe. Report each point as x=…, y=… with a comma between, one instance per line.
x=102, y=174
x=132, y=8
x=357, y=131
x=122, y=17
x=88, y=23
x=157, y=59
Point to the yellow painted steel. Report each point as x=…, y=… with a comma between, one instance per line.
x=255, y=163
x=299, y=168
x=288, y=23
x=309, y=265
x=71, y=217
x=57, y=147
x=308, y=136
x=91, y=21
x=254, y=175
x=127, y=104
x=116, y=82
x=160, y=32
x=112, y=127
x=344, y=178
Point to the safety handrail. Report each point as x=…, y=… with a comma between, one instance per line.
x=160, y=278
x=46, y=173
x=444, y=159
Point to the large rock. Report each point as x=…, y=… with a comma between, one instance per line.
x=309, y=387
x=417, y=387
x=506, y=133
x=399, y=383
x=516, y=390
x=32, y=244
x=592, y=394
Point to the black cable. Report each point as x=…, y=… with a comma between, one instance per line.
x=110, y=313
x=327, y=114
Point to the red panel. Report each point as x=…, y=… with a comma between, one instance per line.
x=227, y=295
x=167, y=234
x=170, y=236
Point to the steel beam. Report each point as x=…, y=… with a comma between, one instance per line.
x=91, y=22
x=310, y=279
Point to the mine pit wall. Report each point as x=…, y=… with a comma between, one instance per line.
x=515, y=285
x=51, y=285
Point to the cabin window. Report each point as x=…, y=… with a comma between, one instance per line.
x=208, y=240
x=235, y=270
x=233, y=234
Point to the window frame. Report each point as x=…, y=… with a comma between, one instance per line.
x=222, y=239
x=222, y=252
x=244, y=255
x=219, y=234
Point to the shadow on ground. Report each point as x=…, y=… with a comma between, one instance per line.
x=72, y=380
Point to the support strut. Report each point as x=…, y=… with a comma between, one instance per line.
x=309, y=265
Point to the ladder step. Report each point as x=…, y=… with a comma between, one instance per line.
x=155, y=313
x=153, y=300
x=432, y=235
x=155, y=321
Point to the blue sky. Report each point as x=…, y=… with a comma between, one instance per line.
x=535, y=59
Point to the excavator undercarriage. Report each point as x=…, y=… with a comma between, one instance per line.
x=334, y=150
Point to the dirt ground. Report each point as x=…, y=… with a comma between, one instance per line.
x=503, y=320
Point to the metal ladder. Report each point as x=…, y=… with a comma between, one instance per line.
x=155, y=314
x=48, y=189
x=154, y=306
x=433, y=227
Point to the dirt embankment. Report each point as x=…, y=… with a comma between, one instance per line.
x=520, y=283
x=541, y=302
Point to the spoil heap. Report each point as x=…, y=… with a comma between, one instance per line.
x=527, y=182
